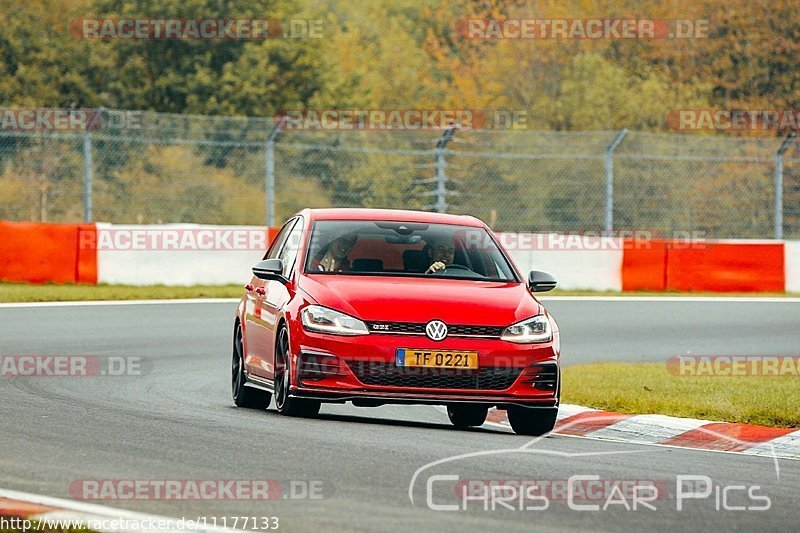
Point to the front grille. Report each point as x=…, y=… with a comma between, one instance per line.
x=396, y=327
x=387, y=374
x=476, y=331
x=413, y=328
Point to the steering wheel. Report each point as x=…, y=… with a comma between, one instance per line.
x=455, y=266
x=450, y=268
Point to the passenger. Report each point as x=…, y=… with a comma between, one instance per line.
x=335, y=257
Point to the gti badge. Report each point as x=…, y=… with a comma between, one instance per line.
x=436, y=330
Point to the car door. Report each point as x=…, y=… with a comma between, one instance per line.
x=258, y=333
x=277, y=294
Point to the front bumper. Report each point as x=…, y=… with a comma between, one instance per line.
x=534, y=383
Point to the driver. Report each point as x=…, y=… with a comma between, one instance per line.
x=441, y=252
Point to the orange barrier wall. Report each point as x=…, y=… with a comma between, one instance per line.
x=40, y=252
x=703, y=266
x=644, y=265
x=727, y=267
x=53, y=253
x=86, y=265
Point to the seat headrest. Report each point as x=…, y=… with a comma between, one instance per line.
x=415, y=260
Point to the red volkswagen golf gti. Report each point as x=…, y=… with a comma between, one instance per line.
x=378, y=306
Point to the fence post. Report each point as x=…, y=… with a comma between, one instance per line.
x=87, y=177
x=779, y=184
x=609, y=222
x=269, y=156
x=440, y=165
x=88, y=166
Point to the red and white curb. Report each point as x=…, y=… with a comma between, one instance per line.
x=59, y=513
x=576, y=420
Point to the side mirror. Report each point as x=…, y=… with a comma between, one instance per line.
x=269, y=269
x=541, y=281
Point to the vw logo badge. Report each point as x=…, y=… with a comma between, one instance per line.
x=436, y=330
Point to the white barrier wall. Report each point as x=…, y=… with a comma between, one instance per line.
x=179, y=254
x=791, y=258
x=577, y=262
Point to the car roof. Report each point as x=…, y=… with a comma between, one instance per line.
x=392, y=215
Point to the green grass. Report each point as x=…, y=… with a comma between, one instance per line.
x=648, y=388
x=26, y=292
x=48, y=292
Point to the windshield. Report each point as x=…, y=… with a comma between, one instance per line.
x=405, y=249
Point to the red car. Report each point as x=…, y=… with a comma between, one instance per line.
x=377, y=306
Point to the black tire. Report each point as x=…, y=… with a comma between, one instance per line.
x=244, y=396
x=467, y=416
x=532, y=421
x=286, y=404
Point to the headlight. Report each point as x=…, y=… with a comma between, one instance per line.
x=324, y=320
x=536, y=329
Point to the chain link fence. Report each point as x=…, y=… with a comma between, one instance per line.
x=142, y=167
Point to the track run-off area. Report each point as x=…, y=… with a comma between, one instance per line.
x=368, y=469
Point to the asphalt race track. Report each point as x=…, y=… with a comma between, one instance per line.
x=177, y=422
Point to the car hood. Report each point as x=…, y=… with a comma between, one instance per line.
x=417, y=299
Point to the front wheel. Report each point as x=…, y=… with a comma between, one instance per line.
x=244, y=396
x=466, y=416
x=286, y=404
x=532, y=421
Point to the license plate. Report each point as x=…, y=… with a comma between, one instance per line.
x=436, y=358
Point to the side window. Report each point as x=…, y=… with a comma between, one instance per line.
x=277, y=244
x=289, y=253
